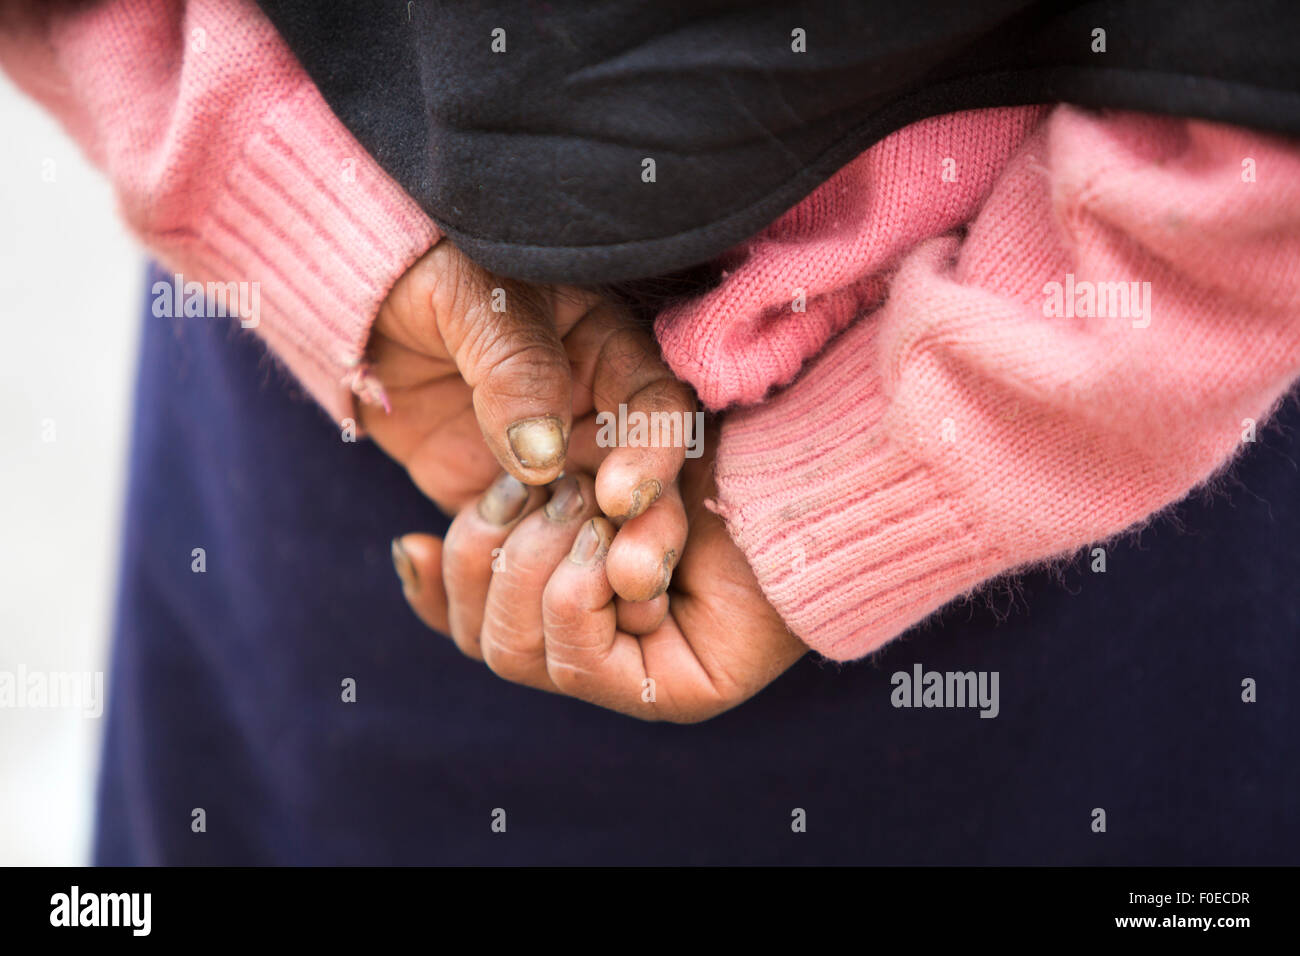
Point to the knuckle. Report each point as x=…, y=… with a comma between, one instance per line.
x=691, y=709
x=499, y=660
x=457, y=552
x=666, y=395
x=568, y=676
x=560, y=610
x=690, y=702
x=522, y=370
x=468, y=646
x=507, y=653
x=444, y=287
x=629, y=353
x=525, y=563
x=489, y=339
x=578, y=664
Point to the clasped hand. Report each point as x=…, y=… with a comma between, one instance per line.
x=571, y=567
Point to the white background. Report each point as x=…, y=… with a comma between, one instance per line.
x=70, y=287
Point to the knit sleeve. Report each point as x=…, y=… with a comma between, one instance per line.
x=229, y=166
x=791, y=288
x=1121, y=316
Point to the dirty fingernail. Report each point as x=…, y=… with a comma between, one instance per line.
x=404, y=568
x=502, y=503
x=566, y=500
x=588, y=543
x=537, y=442
x=670, y=563
x=643, y=496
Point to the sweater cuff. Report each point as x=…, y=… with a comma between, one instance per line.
x=849, y=533
x=323, y=231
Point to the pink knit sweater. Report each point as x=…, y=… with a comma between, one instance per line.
x=948, y=407
x=228, y=164
x=994, y=399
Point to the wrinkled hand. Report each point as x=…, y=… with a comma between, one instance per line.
x=547, y=616
x=482, y=374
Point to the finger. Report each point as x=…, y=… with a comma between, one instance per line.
x=502, y=336
x=645, y=416
x=417, y=559
x=451, y=478
x=471, y=547
x=663, y=675
x=589, y=658
x=584, y=452
x=646, y=455
x=646, y=549
x=572, y=303
x=512, y=643
x=641, y=617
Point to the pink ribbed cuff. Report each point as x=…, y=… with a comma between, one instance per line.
x=851, y=537
x=326, y=233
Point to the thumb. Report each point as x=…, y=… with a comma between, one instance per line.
x=417, y=559
x=501, y=334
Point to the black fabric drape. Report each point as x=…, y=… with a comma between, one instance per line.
x=533, y=158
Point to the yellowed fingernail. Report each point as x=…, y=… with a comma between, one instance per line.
x=566, y=500
x=404, y=568
x=502, y=503
x=537, y=442
x=588, y=544
x=643, y=496
x=670, y=563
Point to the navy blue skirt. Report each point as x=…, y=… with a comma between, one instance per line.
x=1119, y=691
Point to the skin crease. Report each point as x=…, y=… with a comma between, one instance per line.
x=543, y=620
x=461, y=377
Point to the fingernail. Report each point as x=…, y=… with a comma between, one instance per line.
x=404, y=568
x=537, y=442
x=588, y=544
x=670, y=564
x=566, y=500
x=503, y=501
x=643, y=496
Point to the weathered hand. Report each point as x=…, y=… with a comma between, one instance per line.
x=547, y=616
x=481, y=374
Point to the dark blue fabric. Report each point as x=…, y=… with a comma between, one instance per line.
x=1119, y=690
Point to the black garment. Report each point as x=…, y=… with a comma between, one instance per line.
x=532, y=159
